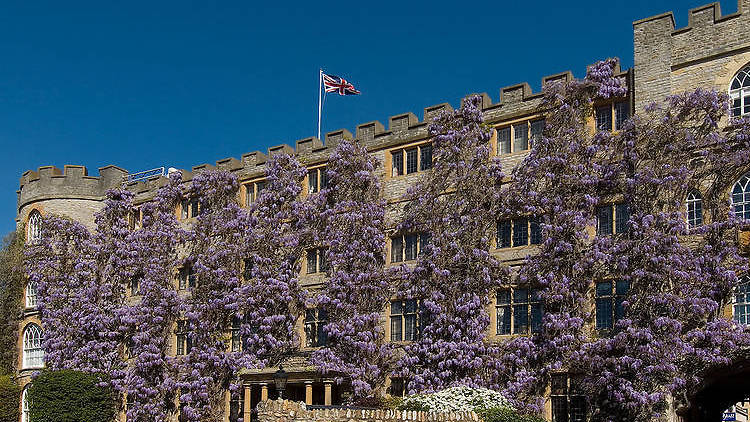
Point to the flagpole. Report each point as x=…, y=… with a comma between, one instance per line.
x=320, y=96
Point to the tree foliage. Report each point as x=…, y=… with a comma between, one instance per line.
x=10, y=397
x=11, y=295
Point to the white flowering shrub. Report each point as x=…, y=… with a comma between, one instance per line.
x=456, y=399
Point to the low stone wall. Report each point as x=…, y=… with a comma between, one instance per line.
x=287, y=411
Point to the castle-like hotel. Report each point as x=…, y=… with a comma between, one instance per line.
x=713, y=52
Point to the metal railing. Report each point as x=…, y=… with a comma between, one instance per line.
x=143, y=175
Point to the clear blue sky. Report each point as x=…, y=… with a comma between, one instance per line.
x=165, y=83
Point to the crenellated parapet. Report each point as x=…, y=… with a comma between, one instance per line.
x=664, y=53
x=73, y=182
x=514, y=101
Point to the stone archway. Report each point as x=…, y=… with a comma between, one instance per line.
x=721, y=388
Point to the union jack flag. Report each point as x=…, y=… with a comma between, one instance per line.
x=333, y=83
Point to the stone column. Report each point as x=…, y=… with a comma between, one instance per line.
x=327, y=386
x=264, y=392
x=308, y=392
x=247, y=406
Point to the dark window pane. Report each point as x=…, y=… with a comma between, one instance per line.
x=398, y=163
x=410, y=327
x=559, y=409
x=622, y=113
x=410, y=306
x=424, y=242
x=537, y=128
x=536, y=317
x=604, y=313
x=520, y=232
x=604, y=289
x=425, y=160
x=396, y=328
x=577, y=409
x=396, y=307
x=521, y=137
x=323, y=178
x=521, y=319
x=503, y=140
x=535, y=232
x=503, y=320
x=604, y=220
x=312, y=261
x=397, y=249
x=622, y=215
x=411, y=161
x=247, y=268
x=322, y=261
x=520, y=296
x=503, y=297
x=312, y=181
x=604, y=117
x=503, y=234
x=410, y=250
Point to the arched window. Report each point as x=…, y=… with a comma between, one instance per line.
x=31, y=294
x=25, y=405
x=34, y=227
x=741, y=198
x=741, y=306
x=33, y=354
x=739, y=93
x=694, y=209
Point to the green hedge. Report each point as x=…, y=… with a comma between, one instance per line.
x=70, y=396
x=504, y=414
x=10, y=399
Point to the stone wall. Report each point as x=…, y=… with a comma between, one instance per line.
x=286, y=411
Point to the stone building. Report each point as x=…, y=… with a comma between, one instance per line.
x=713, y=51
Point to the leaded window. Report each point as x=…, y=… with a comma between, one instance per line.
x=315, y=322
x=25, y=405
x=189, y=208
x=31, y=294
x=519, y=311
x=236, y=342
x=317, y=180
x=188, y=278
x=521, y=231
x=34, y=227
x=742, y=301
x=405, y=319
x=503, y=140
x=184, y=339
x=694, y=209
x=407, y=247
x=253, y=190
x=612, y=218
x=411, y=160
x=568, y=401
x=33, y=354
x=741, y=198
x=521, y=137
x=537, y=128
x=622, y=114
x=316, y=260
x=603, y=115
x=739, y=93
x=610, y=296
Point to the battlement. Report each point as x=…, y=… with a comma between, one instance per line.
x=49, y=182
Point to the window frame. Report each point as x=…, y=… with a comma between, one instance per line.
x=187, y=279
x=532, y=230
x=184, y=339
x=320, y=177
x=564, y=391
x=741, y=93
x=422, y=241
x=741, y=289
x=420, y=155
x=30, y=294
x=616, y=223
x=253, y=190
x=34, y=227
x=314, y=326
x=694, y=209
x=614, y=298
x=534, y=307
x=320, y=263
x=32, y=350
x=402, y=315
